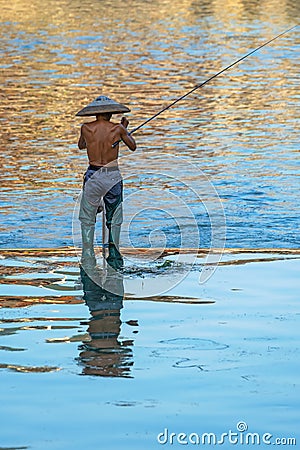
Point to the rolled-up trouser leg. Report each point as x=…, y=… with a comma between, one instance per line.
x=87, y=217
x=114, y=219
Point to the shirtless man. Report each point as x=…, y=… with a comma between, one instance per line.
x=99, y=136
x=102, y=180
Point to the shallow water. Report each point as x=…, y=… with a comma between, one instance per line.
x=100, y=372
x=240, y=130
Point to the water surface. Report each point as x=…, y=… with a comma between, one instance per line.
x=80, y=368
x=240, y=130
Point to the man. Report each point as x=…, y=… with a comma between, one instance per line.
x=102, y=180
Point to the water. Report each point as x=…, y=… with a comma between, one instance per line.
x=240, y=130
x=104, y=371
x=81, y=372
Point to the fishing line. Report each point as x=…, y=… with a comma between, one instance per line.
x=206, y=81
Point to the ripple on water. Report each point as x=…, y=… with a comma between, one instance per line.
x=241, y=129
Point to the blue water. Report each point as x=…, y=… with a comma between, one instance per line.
x=241, y=130
x=103, y=371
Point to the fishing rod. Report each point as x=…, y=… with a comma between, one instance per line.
x=205, y=82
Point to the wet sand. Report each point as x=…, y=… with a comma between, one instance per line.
x=105, y=372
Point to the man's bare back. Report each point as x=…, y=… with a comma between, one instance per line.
x=99, y=136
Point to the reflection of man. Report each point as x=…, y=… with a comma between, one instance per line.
x=103, y=178
x=104, y=354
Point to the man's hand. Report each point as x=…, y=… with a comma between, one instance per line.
x=124, y=122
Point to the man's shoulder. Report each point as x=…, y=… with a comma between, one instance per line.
x=117, y=127
x=120, y=128
x=87, y=124
x=114, y=124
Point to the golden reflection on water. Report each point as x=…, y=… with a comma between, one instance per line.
x=57, y=56
x=28, y=369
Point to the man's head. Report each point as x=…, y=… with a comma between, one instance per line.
x=105, y=116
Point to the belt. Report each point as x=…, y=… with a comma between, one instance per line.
x=103, y=168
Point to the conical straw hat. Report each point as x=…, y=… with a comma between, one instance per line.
x=101, y=105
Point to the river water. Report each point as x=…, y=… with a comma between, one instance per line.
x=240, y=131
x=117, y=369
x=85, y=366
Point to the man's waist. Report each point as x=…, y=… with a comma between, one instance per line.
x=103, y=168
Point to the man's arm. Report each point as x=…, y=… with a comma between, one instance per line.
x=126, y=138
x=81, y=142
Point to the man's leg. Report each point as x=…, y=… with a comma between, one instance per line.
x=114, y=219
x=87, y=217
